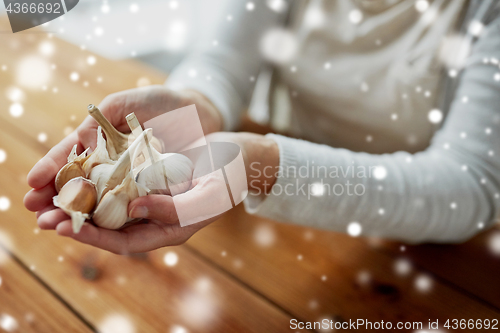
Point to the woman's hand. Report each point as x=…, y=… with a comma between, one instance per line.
x=147, y=103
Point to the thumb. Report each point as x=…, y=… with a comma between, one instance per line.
x=155, y=207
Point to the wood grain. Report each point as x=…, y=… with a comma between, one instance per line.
x=27, y=306
x=472, y=266
x=315, y=274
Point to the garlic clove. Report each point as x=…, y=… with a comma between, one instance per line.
x=69, y=171
x=123, y=166
x=72, y=169
x=77, y=198
x=99, y=155
x=99, y=175
x=172, y=175
x=112, y=212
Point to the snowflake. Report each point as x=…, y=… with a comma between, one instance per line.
x=380, y=172
x=74, y=76
x=423, y=283
x=355, y=16
x=354, y=229
x=3, y=155
x=42, y=137
x=16, y=110
x=170, y=259
x=421, y=5
x=4, y=203
x=134, y=8
x=402, y=267
x=435, y=116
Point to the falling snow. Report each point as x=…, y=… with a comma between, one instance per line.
x=380, y=172
x=423, y=283
x=134, y=8
x=422, y=5
x=264, y=235
x=170, y=259
x=494, y=243
x=42, y=137
x=16, y=110
x=402, y=267
x=278, y=45
x=354, y=229
x=355, y=16
x=116, y=323
x=91, y=60
x=8, y=323
x=317, y=189
x=74, y=76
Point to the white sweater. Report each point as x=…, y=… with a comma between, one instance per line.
x=365, y=91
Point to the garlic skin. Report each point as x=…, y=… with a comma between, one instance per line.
x=77, y=198
x=171, y=174
x=116, y=142
x=72, y=169
x=115, y=174
x=99, y=175
x=98, y=156
x=112, y=212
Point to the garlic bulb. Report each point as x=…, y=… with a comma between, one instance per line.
x=171, y=174
x=107, y=176
x=112, y=212
x=72, y=169
x=77, y=198
x=98, y=156
x=121, y=168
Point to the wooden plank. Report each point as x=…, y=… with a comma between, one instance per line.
x=315, y=274
x=27, y=306
x=473, y=265
x=142, y=291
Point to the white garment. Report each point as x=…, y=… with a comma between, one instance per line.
x=441, y=194
x=376, y=79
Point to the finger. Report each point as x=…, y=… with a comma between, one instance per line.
x=134, y=239
x=44, y=210
x=209, y=198
x=46, y=169
x=37, y=199
x=50, y=219
x=155, y=207
x=87, y=133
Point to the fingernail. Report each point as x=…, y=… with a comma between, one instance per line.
x=139, y=212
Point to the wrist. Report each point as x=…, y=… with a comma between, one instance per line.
x=261, y=155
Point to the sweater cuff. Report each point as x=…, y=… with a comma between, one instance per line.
x=273, y=205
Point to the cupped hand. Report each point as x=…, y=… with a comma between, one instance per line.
x=146, y=103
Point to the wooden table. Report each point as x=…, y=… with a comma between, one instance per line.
x=240, y=274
